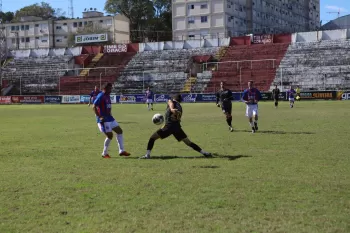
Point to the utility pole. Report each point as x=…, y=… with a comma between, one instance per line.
x=70, y=9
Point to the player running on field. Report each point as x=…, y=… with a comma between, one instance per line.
x=225, y=97
x=106, y=122
x=172, y=126
x=291, y=93
x=251, y=97
x=93, y=95
x=275, y=95
x=149, y=98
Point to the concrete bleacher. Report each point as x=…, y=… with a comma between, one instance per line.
x=320, y=65
x=36, y=74
x=241, y=63
x=164, y=70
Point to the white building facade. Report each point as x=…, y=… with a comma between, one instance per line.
x=224, y=18
x=33, y=32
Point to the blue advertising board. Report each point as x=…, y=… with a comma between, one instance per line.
x=161, y=98
x=53, y=99
x=189, y=98
x=84, y=99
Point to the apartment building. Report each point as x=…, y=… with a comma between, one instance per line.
x=34, y=32
x=224, y=18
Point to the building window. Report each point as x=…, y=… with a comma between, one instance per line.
x=65, y=24
x=59, y=40
x=190, y=7
x=191, y=20
x=190, y=36
x=58, y=27
x=44, y=41
x=27, y=27
x=80, y=24
x=75, y=24
x=101, y=21
x=109, y=22
x=22, y=27
x=17, y=28
x=204, y=19
x=37, y=38
x=27, y=39
x=13, y=28
x=204, y=6
x=37, y=25
x=22, y=40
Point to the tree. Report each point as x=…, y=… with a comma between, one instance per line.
x=43, y=10
x=6, y=16
x=139, y=13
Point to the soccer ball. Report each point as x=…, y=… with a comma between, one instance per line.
x=157, y=119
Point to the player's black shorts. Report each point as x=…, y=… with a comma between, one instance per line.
x=226, y=107
x=175, y=130
x=276, y=99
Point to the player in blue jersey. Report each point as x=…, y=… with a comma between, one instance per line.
x=94, y=94
x=251, y=97
x=149, y=98
x=291, y=93
x=106, y=122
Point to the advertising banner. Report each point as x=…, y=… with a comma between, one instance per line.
x=28, y=99
x=206, y=98
x=266, y=96
x=79, y=39
x=161, y=98
x=262, y=39
x=53, y=99
x=84, y=99
x=341, y=95
x=138, y=98
x=5, y=99
x=116, y=48
x=71, y=99
x=113, y=99
x=189, y=98
x=319, y=95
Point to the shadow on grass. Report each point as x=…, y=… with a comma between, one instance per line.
x=215, y=156
x=127, y=122
x=273, y=132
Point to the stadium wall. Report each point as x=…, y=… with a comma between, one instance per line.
x=162, y=98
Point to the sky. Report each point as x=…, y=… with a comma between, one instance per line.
x=12, y=5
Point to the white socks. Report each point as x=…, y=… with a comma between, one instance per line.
x=148, y=152
x=106, y=145
x=120, y=141
x=251, y=124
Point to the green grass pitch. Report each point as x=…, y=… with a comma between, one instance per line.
x=291, y=176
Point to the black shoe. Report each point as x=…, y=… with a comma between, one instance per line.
x=256, y=126
x=253, y=130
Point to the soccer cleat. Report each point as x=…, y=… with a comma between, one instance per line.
x=253, y=130
x=230, y=128
x=124, y=153
x=106, y=156
x=145, y=157
x=256, y=126
x=207, y=154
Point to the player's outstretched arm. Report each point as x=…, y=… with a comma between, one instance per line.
x=171, y=106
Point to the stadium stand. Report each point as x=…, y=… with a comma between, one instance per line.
x=36, y=73
x=322, y=65
x=166, y=71
x=242, y=63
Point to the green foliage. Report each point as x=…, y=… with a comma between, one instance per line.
x=6, y=16
x=148, y=19
x=43, y=10
x=293, y=176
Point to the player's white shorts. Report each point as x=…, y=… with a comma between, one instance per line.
x=149, y=101
x=107, y=127
x=251, y=110
x=291, y=99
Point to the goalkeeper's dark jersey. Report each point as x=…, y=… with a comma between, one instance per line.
x=171, y=118
x=224, y=97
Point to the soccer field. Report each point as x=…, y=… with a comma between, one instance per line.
x=293, y=175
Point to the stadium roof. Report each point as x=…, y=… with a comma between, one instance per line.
x=342, y=22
